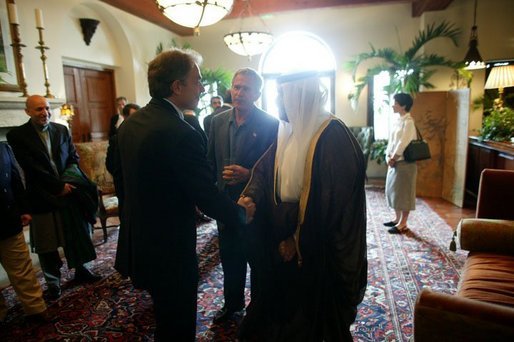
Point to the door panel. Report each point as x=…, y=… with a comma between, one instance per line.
x=91, y=92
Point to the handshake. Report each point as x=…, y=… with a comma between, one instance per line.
x=249, y=205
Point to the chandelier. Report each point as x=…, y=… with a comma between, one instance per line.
x=195, y=13
x=248, y=42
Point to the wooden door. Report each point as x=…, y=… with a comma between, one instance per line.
x=91, y=92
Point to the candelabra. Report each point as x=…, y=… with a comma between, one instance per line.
x=18, y=57
x=42, y=48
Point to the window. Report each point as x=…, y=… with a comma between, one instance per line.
x=297, y=51
x=382, y=111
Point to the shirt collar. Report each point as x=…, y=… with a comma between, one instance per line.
x=40, y=129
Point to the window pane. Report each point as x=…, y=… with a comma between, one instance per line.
x=295, y=52
x=382, y=111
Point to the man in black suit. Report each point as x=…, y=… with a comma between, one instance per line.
x=45, y=152
x=165, y=175
x=238, y=137
x=118, y=117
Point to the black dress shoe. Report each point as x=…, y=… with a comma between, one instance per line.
x=39, y=318
x=397, y=230
x=83, y=275
x=224, y=315
x=53, y=292
x=390, y=224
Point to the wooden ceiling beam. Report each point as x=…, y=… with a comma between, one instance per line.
x=421, y=6
x=147, y=9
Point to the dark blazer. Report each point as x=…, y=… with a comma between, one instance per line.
x=12, y=194
x=208, y=119
x=264, y=132
x=112, y=125
x=165, y=174
x=193, y=121
x=43, y=183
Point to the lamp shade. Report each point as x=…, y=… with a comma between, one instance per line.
x=248, y=43
x=195, y=13
x=473, y=60
x=500, y=77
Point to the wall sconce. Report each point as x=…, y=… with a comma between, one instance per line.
x=499, y=78
x=67, y=113
x=88, y=28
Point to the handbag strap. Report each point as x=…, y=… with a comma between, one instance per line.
x=418, y=133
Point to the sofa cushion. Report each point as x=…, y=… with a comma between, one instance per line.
x=489, y=278
x=92, y=162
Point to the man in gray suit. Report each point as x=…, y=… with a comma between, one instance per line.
x=238, y=137
x=165, y=176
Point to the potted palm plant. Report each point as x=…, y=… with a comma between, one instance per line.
x=411, y=69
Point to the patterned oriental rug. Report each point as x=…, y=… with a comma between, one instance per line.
x=112, y=310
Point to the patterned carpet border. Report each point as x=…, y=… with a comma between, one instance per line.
x=112, y=310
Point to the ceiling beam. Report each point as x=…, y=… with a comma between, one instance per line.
x=421, y=6
x=147, y=9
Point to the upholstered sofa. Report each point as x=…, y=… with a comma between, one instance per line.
x=483, y=307
x=364, y=136
x=92, y=162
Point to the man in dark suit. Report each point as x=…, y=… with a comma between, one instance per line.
x=45, y=152
x=217, y=106
x=118, y=117
x=165, y=175
x=238, y=137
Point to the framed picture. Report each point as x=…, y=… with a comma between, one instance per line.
x=9, y=66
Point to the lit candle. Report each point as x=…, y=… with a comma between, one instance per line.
x=13, y=14
x=39, y=18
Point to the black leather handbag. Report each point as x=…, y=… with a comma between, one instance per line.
x=417, y=149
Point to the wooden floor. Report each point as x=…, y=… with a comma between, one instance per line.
x=448, y=211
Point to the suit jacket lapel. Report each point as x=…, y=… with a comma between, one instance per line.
x=33, y=136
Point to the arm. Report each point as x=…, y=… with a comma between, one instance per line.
x=408, y=133
x=443, y=317
x=487, y=235
x=195, y=178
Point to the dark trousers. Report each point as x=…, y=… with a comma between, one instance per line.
x=51, y=264
x=174, y=303
x=233, y=262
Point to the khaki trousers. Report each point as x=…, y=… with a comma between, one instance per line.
x=15, y=258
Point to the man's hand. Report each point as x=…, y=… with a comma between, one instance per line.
x=68, y=188
x=25, y=219
x=234, y=174
x=249, y=205
x=287, y=249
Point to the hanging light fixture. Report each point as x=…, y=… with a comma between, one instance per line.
x=248, y=42
x=473, y=60
x=195, y=13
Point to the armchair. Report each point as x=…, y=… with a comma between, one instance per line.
x=92, y=162
x=483, y=307
x=364, y=136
